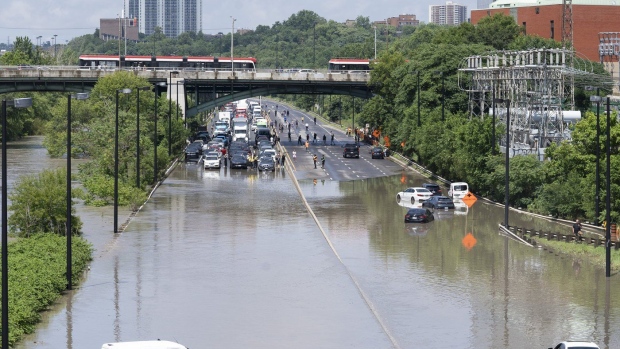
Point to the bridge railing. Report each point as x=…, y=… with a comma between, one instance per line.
x=184, y=73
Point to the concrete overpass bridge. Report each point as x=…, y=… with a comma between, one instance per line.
x=206, y=88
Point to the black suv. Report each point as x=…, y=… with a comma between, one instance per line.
x=351, y=151
x=433, y=188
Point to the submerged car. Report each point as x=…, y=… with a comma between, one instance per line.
x=412, y=194
x=193, y=152
x=439, y=202
x=419, y=215
x=435, y=189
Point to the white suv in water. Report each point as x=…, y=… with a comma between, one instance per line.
x=576, y=345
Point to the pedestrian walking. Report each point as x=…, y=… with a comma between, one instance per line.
x=306, y=126
x=225, y=160
x=314, y=158
x=296, y=124
x=315, y=120
x=302, y=119
x=307, y=137
x=299, y=140
x=294, y=155
x=333, y=138
x=324, y=139
x=577, y=230
x=307, y=146
x=323, y=161
x=277, y=162
x=283, y=160
x=289, y=134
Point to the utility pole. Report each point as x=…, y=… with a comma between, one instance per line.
x=232, y=45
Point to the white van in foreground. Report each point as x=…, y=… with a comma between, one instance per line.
x=144, y=345
x=458, y=190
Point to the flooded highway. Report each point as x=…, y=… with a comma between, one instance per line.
x=231, y=259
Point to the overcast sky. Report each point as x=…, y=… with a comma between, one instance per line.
x=71, y=18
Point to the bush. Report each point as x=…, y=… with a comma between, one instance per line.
x=37, y=277
x=39, y=205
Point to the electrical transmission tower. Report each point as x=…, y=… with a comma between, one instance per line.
x=538, y=84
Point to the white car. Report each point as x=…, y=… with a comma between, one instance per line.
x=576, y=345
x=414, y=194
x=269, y=151
x=211, y=160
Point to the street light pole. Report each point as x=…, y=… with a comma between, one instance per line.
x=55, y=35
x=314, y=46
x=597, y=180
x=443, y=97
x=16, y=103
x=232, y=46
x=507, y=177
x=155, y=134
x=174, y=72
x=375, y=42
x=608, y=195
x=124, y=91
x=69, y=224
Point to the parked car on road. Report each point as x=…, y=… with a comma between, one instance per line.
x=266, y=163
x=238, y=161
x=419, y=215
x=377, y=153
x=439, y=202
x=412, y=194
x=193, y=151
x=351, y=150
x=211, y=160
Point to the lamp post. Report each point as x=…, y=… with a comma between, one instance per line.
x=375, y=42
x=232, y=46
x=69, y=232
x=174, y=72
x=155, y=134
x=507, y=177
x=177, y=100
x=55, y=35
x=15, y=103
x=124, y=91
x=608, y=195
x=597, y=99
x=145, y=88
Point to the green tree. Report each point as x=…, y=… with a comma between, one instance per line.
x=498, y=31
x=38, y=203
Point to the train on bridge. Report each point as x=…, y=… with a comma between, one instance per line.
x=93, y=61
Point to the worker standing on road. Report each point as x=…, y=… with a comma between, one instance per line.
x=315, y=120
x=289, y=135
x=333, y=138
x=324, y=139
x=299, y=140
x=283, y=159
x=314, y=138
x=307, y=145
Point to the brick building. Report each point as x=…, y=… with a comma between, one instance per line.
x=113, y=28
x=400, y=21
x=544, y=18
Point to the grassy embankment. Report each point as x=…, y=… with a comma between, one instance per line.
x=37, y=277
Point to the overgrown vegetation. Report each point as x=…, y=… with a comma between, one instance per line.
x=37, y=276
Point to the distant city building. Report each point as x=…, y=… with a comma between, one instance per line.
x=484, y=4
x=242, y=31
x=115, y=28
x=172, y=16
x=448, y=14
x=544, y=18
x=350, y=23
x=400, y=21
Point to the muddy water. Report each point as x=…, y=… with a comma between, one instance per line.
x=232, y=259
x=457, y=282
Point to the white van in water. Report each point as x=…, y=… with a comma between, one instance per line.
x=458, y=190
x=144, y=345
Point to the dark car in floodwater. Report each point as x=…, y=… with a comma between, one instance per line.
x=239, y=161
x=439, y=202
x=419, y=215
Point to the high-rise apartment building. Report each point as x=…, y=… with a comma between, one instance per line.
x=172, y=16
x=448, y=14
